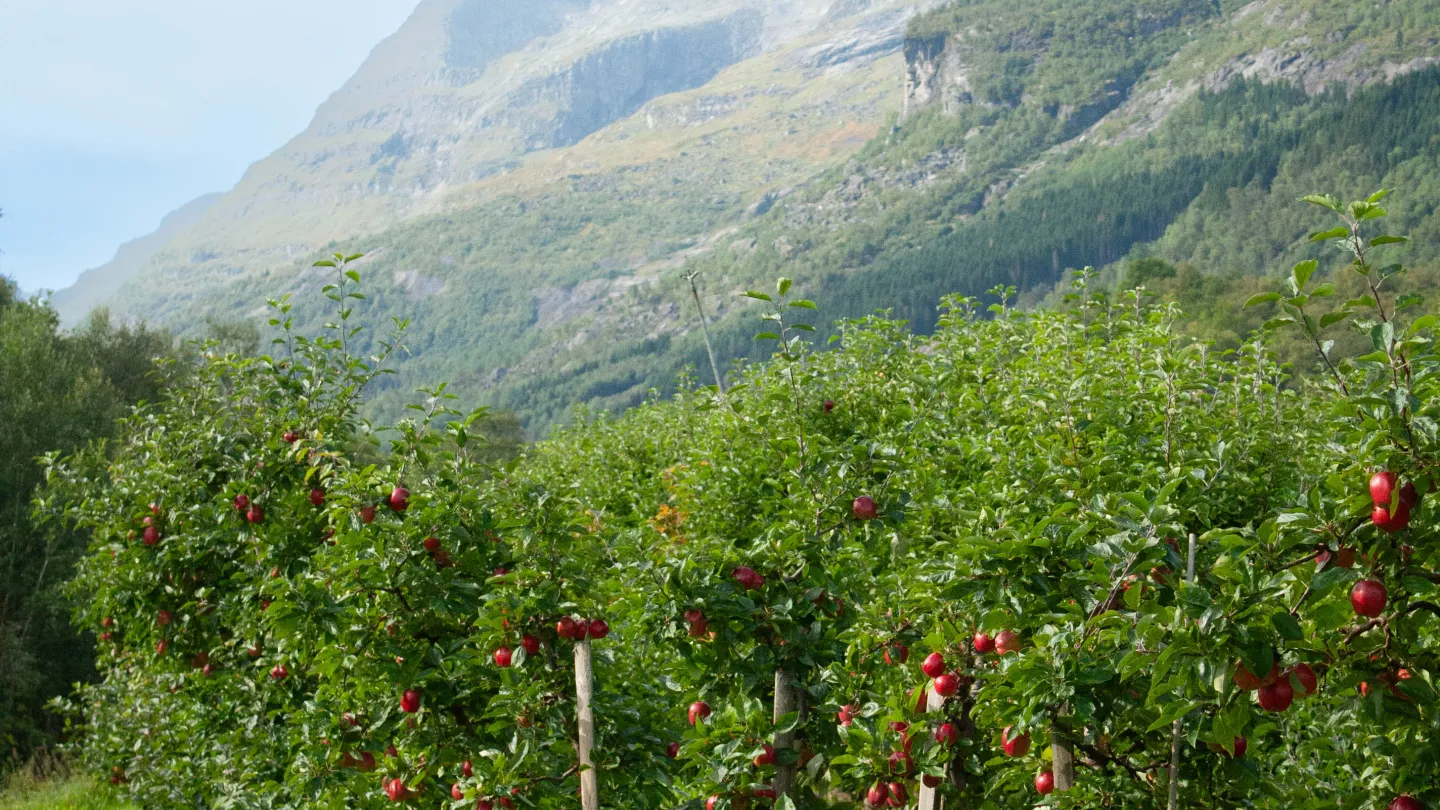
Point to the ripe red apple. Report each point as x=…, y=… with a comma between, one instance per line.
x=162, y=618
x=699, y=710
x=367, y=514
x=456, y=792
x=582, y=629
x=1276, y=697
x=254, y=651
x=829, y=405
x=410, y=701
x=699, y=628
x=765, y=793
x=395, y=789
x=1382, y=486
x=946, y=685
x=565, y=628
x=672, y=750
x=350, y=719
x=711, y=802
x=279, y=672
x=391, y=752
x=502, y=657
x=599, y=628
x=161, y=647
x=930, y=780
x=256, y=513
x=484, y=804
x=107, y=621
x=898, y=796
x=105, y=636
x=1248, y=681
x=151, y=535
x=241, y=501
x=399, y=499
x=467, y=769
x=765, y=757
x=1344, y=558
x=947, y=734
x=748, y=578
x=983, y=643
x=1389, y=521
x=1405, y=802
x=1240, y=744
x=902, y=654
x=934, y=665
x=317, y=497
x=846, y=715
x=1306, y=677
x=290, y=437
x=876, y=795
x=1368, y=598
x=1045, y=783
x=1014, y=746
x=530, y=643
x=1007, y=641
x=432, y=544
x=864, y=508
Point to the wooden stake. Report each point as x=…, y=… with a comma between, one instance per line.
x=1062, y=758
x=930, y=798
x=1175, y=727
x=787, y=700
x=585, y=717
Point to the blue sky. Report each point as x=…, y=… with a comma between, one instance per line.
x=115, y=112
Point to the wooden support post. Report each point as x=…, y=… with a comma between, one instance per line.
x=1174, y=803
x=787, y=700
x=1062, y=757
x=930, y=798
x=585, y=717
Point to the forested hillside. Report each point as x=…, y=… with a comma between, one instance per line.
x=882, y=158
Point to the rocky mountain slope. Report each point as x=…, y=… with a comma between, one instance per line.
x=532, y=182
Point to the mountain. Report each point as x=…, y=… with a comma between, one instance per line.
x=532, y=182
x=97, y=286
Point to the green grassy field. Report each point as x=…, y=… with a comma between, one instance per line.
x=74, y=793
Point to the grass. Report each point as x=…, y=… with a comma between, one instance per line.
x=49, y=782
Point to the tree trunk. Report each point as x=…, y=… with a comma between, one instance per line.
x=1062, y=757
x=585, y=717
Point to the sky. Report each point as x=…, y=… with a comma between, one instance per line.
x=115, y=112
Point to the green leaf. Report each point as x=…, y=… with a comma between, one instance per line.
x=783, y=285
x=1302, y=272
x=1262, y=298
x=767, y=336
x=1339, y=232
x=1332, y=318
x=1387, y=240
x=1287, y=627
x=1378, y=196
x=803, y=303
x=1322, y=200
x=755, y=294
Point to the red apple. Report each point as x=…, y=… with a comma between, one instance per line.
x=256, y=513
x=876, y=795
x=947, y=734
x=467, y=769
x=367, y=514
x=902, y=653
x=1408, y=496
x=530, y=643
x=502, y=657
x=410, y=701
x=395, y=789
x=391, y=752
x=291, y=437
x=1014, y=746
x=699, y=710
x=748, y=578
x=934, y=665
x=1368, y=598
x=456, y=792
x=599, y=628
x=432, y=544
x=829, y=405
x=765, y=793
x=107, y=621
x=864, y=508
x=1045, y=783
x=1306, y=677
x=765, y=757
x=672, y=750
x=983, y=643
x=399, y=499
x=846, y=715
x=1389, y=521
x=1405, y=803
x=279, y=672
x=367, y=761
x=162, y=618
x=1247, y=680
x=1276, y=697
x=1382, y=486
x=1007, y=641
x=161, y=647
x=1343, y=558
x=207, y=670
x=254, y=651
x=711, y=802
x=241, y=501
x=317, y=497
x=151, y=535
x=897, y=794
x=699, y=628
x=946, y=685
x=565, y=628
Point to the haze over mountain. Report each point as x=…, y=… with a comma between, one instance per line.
x=531, y=181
